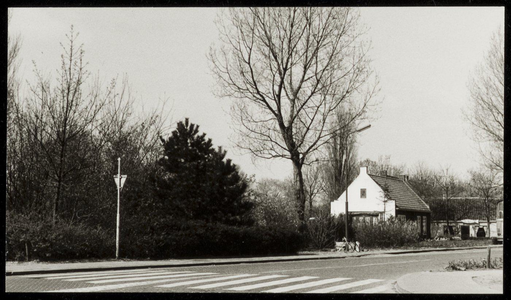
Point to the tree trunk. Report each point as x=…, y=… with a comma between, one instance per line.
x=299, y=191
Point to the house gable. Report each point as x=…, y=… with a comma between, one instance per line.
x=373, y=203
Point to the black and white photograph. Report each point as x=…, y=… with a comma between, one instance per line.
x=255, y=150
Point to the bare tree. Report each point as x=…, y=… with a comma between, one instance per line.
x=424, y=181
x=486, y=110
x=61, y=119
x=383, y=166
x=273, y=204
x=451, y=187
x=14, y=117
x=487, y=184
x=313, y=184
x=288, y=70
x=335, y=168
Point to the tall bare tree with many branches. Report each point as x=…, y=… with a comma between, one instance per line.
x=288, y=70
x=486, y=111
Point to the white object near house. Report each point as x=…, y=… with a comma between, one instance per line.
x=374, y=198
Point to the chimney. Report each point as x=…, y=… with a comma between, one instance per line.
x=363, y=170
x=384, y=173
x=404, y=177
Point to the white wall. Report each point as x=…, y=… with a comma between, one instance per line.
x=372, y=202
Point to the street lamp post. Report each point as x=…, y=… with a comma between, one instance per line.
x=346, y=163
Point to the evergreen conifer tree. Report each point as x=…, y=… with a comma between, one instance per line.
x=197, y=183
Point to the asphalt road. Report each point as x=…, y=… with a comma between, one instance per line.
x=371, y=274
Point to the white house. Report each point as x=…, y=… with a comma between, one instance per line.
x=374, y=198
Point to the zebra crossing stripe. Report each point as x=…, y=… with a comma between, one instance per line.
x=69, y=275
x=344, y=286
x=215, y=285
x=304, y=285
x=374, y=290
x=203, y=280
x=271, y=283
x=148, y=277
x=115, y=286
x=90, y=277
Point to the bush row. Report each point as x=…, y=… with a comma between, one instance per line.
x=323, y=231
x=29, y=238
x=194, y=239
x=388, y=234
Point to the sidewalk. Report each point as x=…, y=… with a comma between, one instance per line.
x=14, y=268
x=455, y=282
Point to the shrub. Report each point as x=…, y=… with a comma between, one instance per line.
x=462, y=265
x=33, y=238
x=323, y=230
x=391, y=233
x=193, y=239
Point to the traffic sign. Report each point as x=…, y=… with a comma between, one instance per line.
x=123, y=178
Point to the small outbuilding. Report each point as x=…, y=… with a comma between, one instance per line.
x=374, y=198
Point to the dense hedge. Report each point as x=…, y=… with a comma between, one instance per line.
x=37, y=239
x=392, y=233
x=32, y=238
x=193, y=239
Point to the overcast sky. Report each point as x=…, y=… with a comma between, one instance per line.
x=424, y=57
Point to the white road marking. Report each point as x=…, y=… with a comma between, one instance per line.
x=344, y=286
x=114, y=286
x=203, y=280
x=215, y=285
x=374, y=290
x=271, y=283
x=354, y=266
x=148, y=277
x=305, y=285
x=69, y=275
x=90, y=277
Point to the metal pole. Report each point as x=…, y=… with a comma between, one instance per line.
x=488, y=263
x=347, y=171
x=118, y=209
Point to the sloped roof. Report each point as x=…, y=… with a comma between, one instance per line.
x=401, y=192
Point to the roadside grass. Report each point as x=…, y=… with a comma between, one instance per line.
x=426, y=244
x=451, y=243
x=472, y=264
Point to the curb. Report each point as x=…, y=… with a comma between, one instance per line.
x=191, y=264
x=398, y=288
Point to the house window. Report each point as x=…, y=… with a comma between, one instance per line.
x=401, y=217
x=424, y=225
x=363, y=193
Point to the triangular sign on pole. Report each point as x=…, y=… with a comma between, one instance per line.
x=123, y=178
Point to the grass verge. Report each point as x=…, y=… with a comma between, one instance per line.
x=472, y=264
